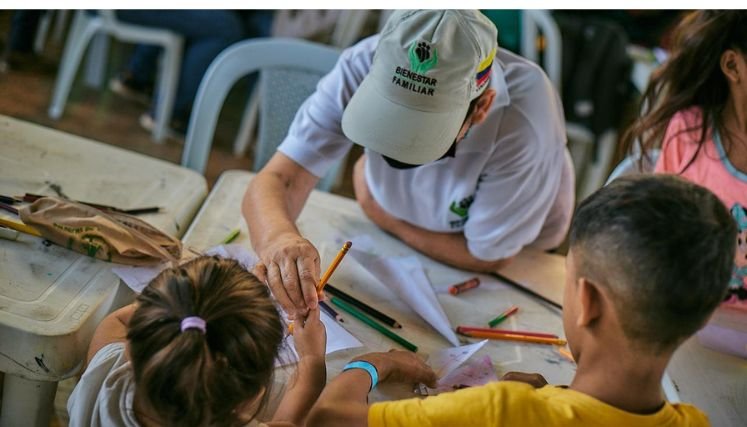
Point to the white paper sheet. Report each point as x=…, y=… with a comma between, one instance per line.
x=406, y=278
x=138, y=278
x=337, y=339
x=448, y=359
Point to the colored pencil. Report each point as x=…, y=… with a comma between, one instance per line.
x=19, y=226
x=331, y=311
x=525, y=289
x=514, y=337
x=462, y=329
x=138, y=211
x=464, y=286
x=372, y=323
x=381, y=317
x=8, y=208
x=30, y=198
x=231, y=236
x=333, y=266
x=7, y=199
x=566, y=353
x=503, y=316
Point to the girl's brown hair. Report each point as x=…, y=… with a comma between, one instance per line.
x=194, y=379
x=691, y=77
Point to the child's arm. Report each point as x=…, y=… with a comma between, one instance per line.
x=112, y=329
x=344, y=402
x=310, y=338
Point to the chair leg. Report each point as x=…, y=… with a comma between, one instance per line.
x=248, y=124
x=96, y=61
x=59, y=25
x=167, y=85
x=41, y=32
x=80, y=35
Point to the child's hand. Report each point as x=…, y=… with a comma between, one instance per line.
x=310, y=336
x=534, y=380
x=401, y=366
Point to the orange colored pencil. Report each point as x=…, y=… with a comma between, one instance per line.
x=514, y=337
x=462, y=329
x=332, y=267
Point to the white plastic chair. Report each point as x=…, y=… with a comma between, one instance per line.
x=532, y=22
x=294, y=68
x=347, y=28
x=85, y=26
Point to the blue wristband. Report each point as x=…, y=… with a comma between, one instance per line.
x=366, y=366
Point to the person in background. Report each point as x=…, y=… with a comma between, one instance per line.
x=207, y=33
x=633, y=244
x=695, y=109
x=197, y=348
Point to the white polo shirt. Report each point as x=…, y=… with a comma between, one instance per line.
x=509, y=185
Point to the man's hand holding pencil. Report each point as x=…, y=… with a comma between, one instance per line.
x=290, y=267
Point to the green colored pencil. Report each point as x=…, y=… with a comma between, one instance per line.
x=372, y=323
x=231, y=236
x=503, y=316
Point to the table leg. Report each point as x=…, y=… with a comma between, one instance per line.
x=26, y=402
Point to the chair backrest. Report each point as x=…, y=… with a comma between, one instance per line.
x=306, y=61
x=533, y=21
x=634, y=164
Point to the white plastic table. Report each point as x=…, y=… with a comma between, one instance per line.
x=327, y=217
x=714, y=382
x=51, y=299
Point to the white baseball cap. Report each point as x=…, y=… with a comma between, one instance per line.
x=428, y=66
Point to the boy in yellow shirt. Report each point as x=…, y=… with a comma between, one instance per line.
x=650, y=259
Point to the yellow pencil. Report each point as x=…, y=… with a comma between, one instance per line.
x=333, y=266
x=19, y=226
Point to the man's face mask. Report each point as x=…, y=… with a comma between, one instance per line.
x=399, y=165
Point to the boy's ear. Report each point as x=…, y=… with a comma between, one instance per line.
x=589, y=302
x=730, y=67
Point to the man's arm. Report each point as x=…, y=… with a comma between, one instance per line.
x=449, y=248
x=271, y=204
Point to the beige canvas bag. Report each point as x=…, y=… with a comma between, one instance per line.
x=109, y=236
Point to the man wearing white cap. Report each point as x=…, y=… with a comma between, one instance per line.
x=410, y=96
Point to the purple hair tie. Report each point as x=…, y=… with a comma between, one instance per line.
x=193, y=322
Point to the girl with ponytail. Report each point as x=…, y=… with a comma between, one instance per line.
x=197, y=348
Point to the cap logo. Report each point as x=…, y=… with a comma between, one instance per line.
x=421, y=59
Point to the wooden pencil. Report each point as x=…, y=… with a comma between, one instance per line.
x=463, y=329
x=372, y=323
x=19, y=226
x=381, y=317
x=333, y=266
x=514, y=337
x=503, y=316
x=331, y=311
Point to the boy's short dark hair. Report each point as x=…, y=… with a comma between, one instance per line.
x=665, y=249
